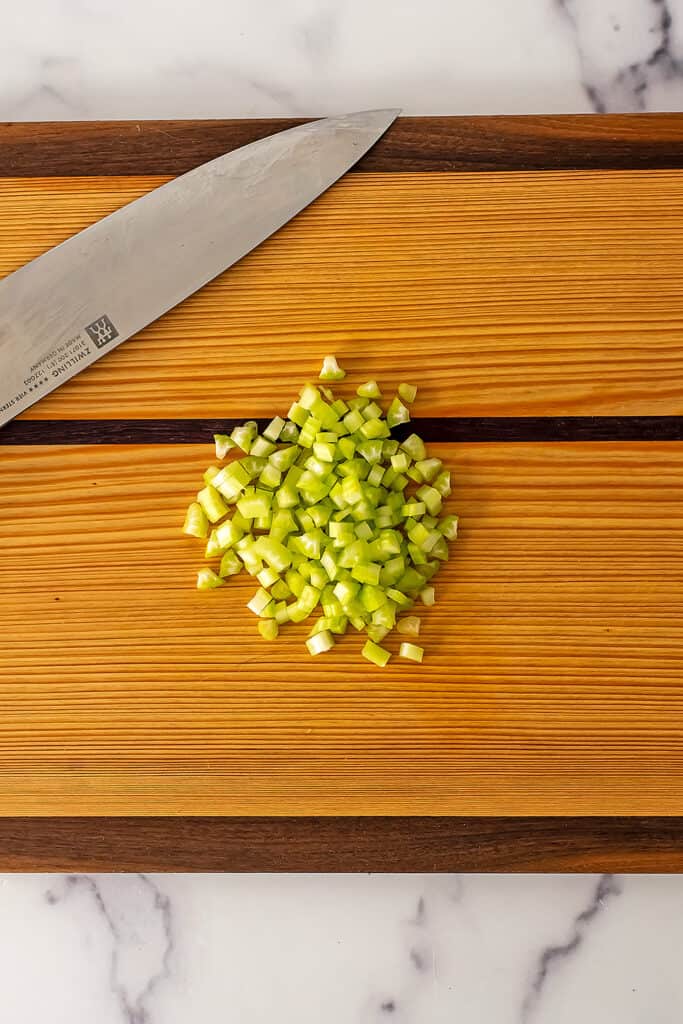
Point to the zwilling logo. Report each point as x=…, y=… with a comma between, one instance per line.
x=102, y=331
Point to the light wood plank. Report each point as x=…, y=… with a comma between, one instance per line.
x=549, y=293
x=551, y=682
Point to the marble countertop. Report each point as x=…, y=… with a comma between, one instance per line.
x=344, y=949
x=299, y=949
x=89, y=59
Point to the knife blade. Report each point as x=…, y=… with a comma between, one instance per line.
x=78, y=301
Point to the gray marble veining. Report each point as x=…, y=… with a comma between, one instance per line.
x=343, y=949
x=66, y=59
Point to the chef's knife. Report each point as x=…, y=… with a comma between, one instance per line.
x=65, y=309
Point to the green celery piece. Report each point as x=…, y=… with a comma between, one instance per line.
x=392, y=571
x=366, y=573
x=431, y=497
x=319, y=625
x=324, y=412
x=409, y=626
x=371, y=451
x=385, y=615
x=212, y=503
x=281, y=613
x=280, y=591
x=324, y=451
x=429, y=468
x=329, y=564
x=410, y=580
x=309, y=396
x=372, y=411
x=273, y=552
x=255, y=505
x=230, y=564
x=227, y=534
x=274, y=429
x=268, y=628
x=376, y=654
x=320, y=514
x=319, y=470
x=353, y=420
x=297, y=414
x=397, y=413
x=369, y=390
x=408, y=392
x=346, y=591
x=320, y=643
x=290, y=433
x=332, y=608
x=449, y=527
x=372, y=597
x=440, y=549
x=259, y=602
x=282, y=524
x=411, y=651
x=295, y=581
x=196, y=521
x=376, y=475
x=346, y=447
x=331, y=369
x=267, y=577
x=224, y=444
x=319, y=577
x=375, y=428
x=270, y=477
x=364, y=531
x=207, y=579
x=443, y=483
x=415, y=447
x=245, y=435
x=284, y=458
x=262, y=448
x=417, y=555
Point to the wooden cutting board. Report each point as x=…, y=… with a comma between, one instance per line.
x=527, y=273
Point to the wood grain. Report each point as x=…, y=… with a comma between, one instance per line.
x=551, y=684
x=412, y=144
x=539, y=308
x=555, y=294
x=334, y=844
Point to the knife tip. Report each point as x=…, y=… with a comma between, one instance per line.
x=375, y=120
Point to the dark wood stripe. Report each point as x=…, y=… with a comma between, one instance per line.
x=399, y=844
x=466, y=428
x=520, y=143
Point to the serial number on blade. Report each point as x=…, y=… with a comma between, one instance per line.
x=60, y=359
x=55, y=364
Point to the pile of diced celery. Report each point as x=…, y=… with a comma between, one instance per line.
x=326, y=510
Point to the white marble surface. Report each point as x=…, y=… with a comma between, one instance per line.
x=66, y=59
x=301, y=949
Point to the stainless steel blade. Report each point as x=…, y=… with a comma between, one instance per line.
x=64, y=310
